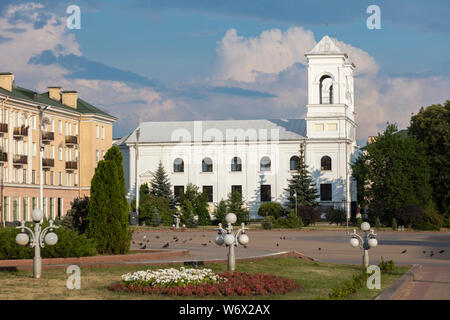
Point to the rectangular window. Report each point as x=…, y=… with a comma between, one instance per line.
x=208, y=191
x=52, y=208
x=24, y=175
x=25, y=208
x=265, y=192
x=34, y=122
x=76, y=179
x=6, y=208
x=44, y=206
x=60, y=154
x=34, y=149
x=53, y=125
x=15, y=209
x=33, y=203
x=52, y=178
x=60, y=178
x=103, y=133
x=325, y=192
x=52, y=152
x=96, y=132
x=97, y=155
x=60, y=127
x=332, y=126
x=237, y=189
x=178, y=191
x=75, y=129
x=33, y=176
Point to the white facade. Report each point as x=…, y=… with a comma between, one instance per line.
x=328, y=131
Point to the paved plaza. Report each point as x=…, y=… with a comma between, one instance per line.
x=429, y=249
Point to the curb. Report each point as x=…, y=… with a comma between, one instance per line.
x=399, y=285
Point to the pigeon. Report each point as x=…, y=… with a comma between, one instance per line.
x=176, y=240
x=166, y=245
x=424, y=251
x=133, y=242
x=157, y=237
x=209, y=241
x=442, y=251
x=245, y=246
x=320, y=249
x=184, y=241
x=277, y=244
x=204, y=244
x=148, y=240
x=203, y=235
x=284, y=238
x=281, y=238
x=432, y=254
x=404, y=251
x=140, y=244
x=145, y=237
x=145, y=246
x=190, y=239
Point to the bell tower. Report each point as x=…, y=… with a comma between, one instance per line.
x=330, y=92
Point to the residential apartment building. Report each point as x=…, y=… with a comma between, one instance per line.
x=75, y=136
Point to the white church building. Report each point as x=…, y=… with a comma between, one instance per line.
x=257, y=157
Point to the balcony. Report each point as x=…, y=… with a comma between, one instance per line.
x=20, y=132
x=3, y=128
x=19, y=160
x=47, y=137
x=3, y=157
x=71, y=141
x=48, y=163
x=71, y=165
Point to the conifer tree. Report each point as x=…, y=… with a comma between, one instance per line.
x=301, y=184
x=160, y=185
x=107, y=219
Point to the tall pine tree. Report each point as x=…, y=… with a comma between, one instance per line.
x=301, y=184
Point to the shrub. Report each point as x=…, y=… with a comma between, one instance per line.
x=291, y=221
x=156, y=219
x=425, y=226
x=147, y=207
x=433, y=217
x=409, y=215
x=76, y=216
x=337, y=216
x=377, y=222
x=271, y=209
x=220, y=212
x=309, y=215
x=267, y=223
x=70, y=244
x=386, y=266
x=394, y=224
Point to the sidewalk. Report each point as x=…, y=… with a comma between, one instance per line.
x=430, y=283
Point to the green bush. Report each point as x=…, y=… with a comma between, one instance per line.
x=409, y=215
x=267, y=223
x=271, y=209
x=386, y=266
x=70, y=244
x=309, y=215
x=336, y=216
x=291, y=222
x=434, y=217
x=394, y=224
x=377, y=222
x=426, y=226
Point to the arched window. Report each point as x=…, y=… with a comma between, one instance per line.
x=325, y=163
x=236, y=164
x=265, y=164
x=178, y=165
x=207, y=165
x=293, y=163
x=326, y=90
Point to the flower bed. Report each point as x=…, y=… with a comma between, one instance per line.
x=223, y=284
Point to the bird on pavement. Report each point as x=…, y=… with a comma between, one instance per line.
x=277, y=244
x=157, y=237
x=166, y=245
x=320, y=249
x=442, y=251
x=245, y=246
x=204, y=244
x=184, y=241
x=431, y=254
x=404, y=251
x=145, y=246
x=424, y=251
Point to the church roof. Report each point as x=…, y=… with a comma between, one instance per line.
x=201, y=131
x=325, y=46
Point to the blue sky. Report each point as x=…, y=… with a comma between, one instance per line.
x=176, y=60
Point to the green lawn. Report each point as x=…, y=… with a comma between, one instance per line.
x=315, y=278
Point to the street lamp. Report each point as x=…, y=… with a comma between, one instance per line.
x=38, y=237
x=138, y=133
x=369, y=241
x=42, y=122
x=295, y=196
x=231, y=239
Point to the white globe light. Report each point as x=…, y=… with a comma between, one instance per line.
x=51, y=238
x=373, y=242
x=354, y=242
x=365, y=226
x=219, y=240
x=243, y=239
x=22, y=239
x=231, y=218
x=229, y=239
x=37, y=215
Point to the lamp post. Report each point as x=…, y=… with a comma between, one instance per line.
x=42, y=122
x=295, y=196
x=38, y=237
x=138, y=133
x=231, y=239
x=365, y=243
